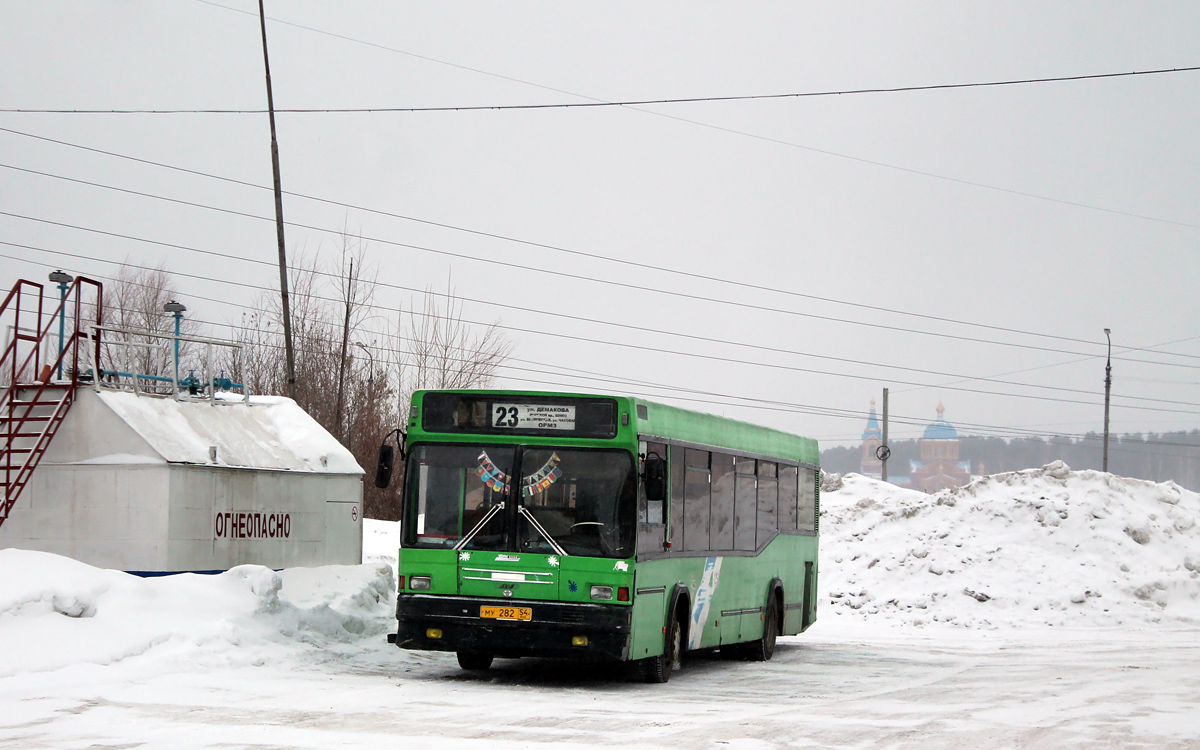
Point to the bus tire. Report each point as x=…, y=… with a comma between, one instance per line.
x=474, y=661
x=657, y=669
x=764, y=648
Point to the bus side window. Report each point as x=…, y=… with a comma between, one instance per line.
x=745, y=491
x=720, y=533
x=675, y=500
x=808, y=500
x=768, y=502
x=788, y=511
x=696, y=501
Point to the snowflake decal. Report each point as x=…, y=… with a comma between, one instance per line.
x=552, y=561
x=572, y=586
x=464, y=556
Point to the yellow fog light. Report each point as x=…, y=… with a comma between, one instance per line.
x=433, y=633
x=579, y=640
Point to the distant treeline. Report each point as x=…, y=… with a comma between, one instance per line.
x=1159, y=457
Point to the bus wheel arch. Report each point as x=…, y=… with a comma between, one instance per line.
x=764, y=648
x=657, y=669
x=776, y=593
x=681, y=607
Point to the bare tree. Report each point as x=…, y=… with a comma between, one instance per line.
x=357, y=389
x=134, y=300
x=438, y=349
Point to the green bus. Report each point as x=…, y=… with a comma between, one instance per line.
x=600, y=527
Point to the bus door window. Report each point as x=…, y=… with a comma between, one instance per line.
x=650, y=511
x=788, y=499
x=675, y=499
x=697, y=503
x=745, y=504
x=768, y=502
x=720, y=530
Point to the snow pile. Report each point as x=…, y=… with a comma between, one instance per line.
x=1039, y=547
x=56, y=612
x=381, y=542
x=269, y=432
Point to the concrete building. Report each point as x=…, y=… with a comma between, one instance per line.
x=154, y=484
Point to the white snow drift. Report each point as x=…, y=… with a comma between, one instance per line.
x=1042, y=547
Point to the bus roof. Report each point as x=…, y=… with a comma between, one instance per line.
x=685, y=425
x=689, y=426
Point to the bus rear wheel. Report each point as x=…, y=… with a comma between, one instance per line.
x=474, y=661
x=764, y=648
x=657, y=669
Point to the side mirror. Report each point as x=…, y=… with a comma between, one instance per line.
x=383, y=469
x=655, y=478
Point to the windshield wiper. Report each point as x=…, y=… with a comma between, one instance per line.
x=534, y=523
x=482, y=522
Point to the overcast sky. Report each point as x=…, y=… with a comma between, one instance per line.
x=1053, y=210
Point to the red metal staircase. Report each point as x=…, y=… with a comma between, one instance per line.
x=39, y=386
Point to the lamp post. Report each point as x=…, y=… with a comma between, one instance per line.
x=177, y=309
x=371, y=372
x=1107, y=392
x=63, y=280
x=370, y=380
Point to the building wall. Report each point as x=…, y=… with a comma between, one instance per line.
x=104, y=496
x=221, y=517
x=110, y=516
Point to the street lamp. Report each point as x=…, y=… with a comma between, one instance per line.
x=177, y=309
x=1107, y=392
x=371, y=372
x=63, y=280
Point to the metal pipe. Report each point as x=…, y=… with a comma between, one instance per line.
x=63, y=280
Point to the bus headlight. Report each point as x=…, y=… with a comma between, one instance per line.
x=420, y=583
x=603, y=593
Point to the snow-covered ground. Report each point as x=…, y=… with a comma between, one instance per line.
x=1080, y=629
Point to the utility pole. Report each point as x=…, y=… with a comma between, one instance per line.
x=345, y=342
x=1107, y=393
x=283, y=280
x=887, y=451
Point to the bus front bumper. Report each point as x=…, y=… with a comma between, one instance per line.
x=556, y=629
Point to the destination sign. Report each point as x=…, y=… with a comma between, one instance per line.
x=518, y=414
x=534, y=416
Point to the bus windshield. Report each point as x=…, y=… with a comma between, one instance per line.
x=558, y=501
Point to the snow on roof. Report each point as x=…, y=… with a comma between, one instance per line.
x=268, y=433
x=1046, y=546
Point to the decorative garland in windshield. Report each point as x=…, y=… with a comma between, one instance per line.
x=490, y=475
x=545, y=476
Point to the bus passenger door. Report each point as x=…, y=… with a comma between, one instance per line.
x=652, y=513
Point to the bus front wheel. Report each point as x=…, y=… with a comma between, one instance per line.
x=657, y=669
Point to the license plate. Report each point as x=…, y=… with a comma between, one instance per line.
x=506, y=613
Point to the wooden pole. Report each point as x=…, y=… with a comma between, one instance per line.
x=283, y=279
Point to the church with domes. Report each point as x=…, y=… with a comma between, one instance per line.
x=939, y=467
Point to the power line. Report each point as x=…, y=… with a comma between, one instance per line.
x=622, y=103
x=678, y=272
x=555, y=248
x=537, y=269
x=674, y=391
x=650, y=330
x=593, y=340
